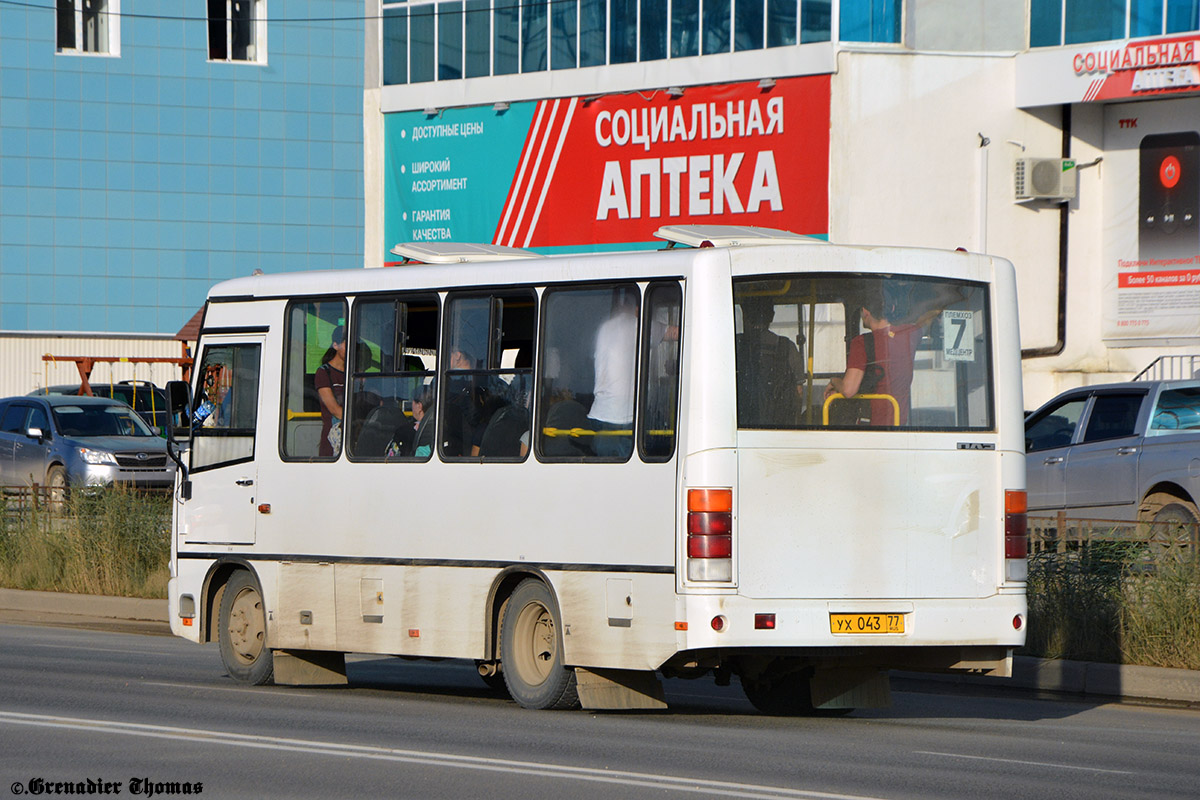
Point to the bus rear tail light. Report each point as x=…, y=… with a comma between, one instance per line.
x=710, y=535
x=1016, y=535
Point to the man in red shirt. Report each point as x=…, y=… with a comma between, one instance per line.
x=890, y=371
x=895, y=347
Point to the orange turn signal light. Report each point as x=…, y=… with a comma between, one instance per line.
x=710, y=500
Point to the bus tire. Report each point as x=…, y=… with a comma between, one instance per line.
x=242, y=631
x=531, y=651
x=785, y=693
x=779, y=695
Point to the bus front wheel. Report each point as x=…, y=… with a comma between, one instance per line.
x=242, y=630
x=531, y=652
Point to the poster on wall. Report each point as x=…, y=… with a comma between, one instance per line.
x=1152, y=208
x=607, y=171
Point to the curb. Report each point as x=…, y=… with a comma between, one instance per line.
x=1078, y=678
x=1084, y=679
x=84, y=611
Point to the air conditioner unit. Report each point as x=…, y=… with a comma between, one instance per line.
x=1044, y=179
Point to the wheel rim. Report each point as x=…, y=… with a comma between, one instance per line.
x=535, y=644
x=247, y=631
x=1171, y=531
x=58, y=487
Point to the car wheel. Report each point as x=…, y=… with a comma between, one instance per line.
x=56, y=488
x=1174, y=526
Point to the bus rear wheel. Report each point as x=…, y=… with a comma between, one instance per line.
x=780, y=696
x=531, y=652
x=781, y=691
x=242, y=631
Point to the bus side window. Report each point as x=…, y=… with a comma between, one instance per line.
x=488, y=369
x=394, y=362
x=660, y=372
x=308, y=344
x=586, y=381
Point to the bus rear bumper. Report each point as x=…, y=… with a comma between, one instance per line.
x=942, y=634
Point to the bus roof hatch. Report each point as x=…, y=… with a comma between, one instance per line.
x=729, y=236
x=459, y=252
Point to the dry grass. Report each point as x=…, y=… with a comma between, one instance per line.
x=114, y=542
x=1115, y=602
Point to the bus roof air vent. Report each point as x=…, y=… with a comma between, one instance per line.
x=458, y=252
x=730, y=236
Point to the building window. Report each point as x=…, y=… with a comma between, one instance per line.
x=450, y=41
x=395, y=46
x=871, y=21
x=88, y=26
x=816, y=20
x=237, y=30
x=440, y=40
x=1057, y=22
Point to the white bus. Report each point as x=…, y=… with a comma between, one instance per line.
x=587, y=472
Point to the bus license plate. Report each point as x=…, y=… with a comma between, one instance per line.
x=866, y=623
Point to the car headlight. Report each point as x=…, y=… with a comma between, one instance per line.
x=97, y=456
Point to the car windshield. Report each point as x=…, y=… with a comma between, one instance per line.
x=100, y=420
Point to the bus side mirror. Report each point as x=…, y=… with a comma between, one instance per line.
x=179, y=401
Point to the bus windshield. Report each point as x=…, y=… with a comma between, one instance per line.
x=876, y=352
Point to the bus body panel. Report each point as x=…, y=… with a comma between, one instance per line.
x=868, y=521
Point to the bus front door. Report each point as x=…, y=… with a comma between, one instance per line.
x=223, y=469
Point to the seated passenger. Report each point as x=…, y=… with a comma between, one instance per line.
x=422, y=439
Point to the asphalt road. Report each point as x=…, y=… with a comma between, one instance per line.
x=157, y=716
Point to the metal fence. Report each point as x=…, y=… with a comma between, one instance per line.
x=1170, y=368
x=1154, y=540
x=18, y=503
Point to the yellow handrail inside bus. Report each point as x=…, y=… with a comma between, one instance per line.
x=291, y=415
x=840, y=396
x=575, y=433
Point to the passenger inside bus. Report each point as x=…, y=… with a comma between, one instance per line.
x=611, y=414
x=770, y=375
x=421, y=440
x=883, y=365
x=330, y=381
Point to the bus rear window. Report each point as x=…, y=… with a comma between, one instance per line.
x=845, y=351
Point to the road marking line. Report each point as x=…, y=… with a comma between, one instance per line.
x=450, y=760
x=1025, y=763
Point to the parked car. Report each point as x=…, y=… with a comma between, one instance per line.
x=142, y=396
x=64, y=441
x=1120, y=451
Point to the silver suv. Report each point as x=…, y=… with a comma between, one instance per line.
x=64, y=441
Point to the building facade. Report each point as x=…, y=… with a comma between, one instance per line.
x=1060, y=134
x=150, y=149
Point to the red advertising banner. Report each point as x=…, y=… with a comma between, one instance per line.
x=617, y=167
